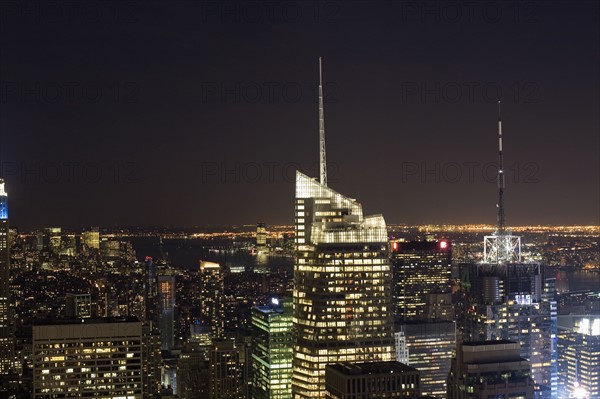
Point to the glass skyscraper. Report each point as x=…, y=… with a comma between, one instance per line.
x=272, y=350
x=342, y=286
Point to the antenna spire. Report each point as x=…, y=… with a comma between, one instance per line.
x=501, y=219
x=322, y=156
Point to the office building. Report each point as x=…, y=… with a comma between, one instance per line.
x=87, y=358
x=422, y=280
x=91, y=238
x=579, y=360
x=429, y=348
x=272, y=350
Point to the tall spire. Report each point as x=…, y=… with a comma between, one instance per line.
x=322, y=156
x=501, y=220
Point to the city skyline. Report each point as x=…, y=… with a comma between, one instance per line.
x=210, y=132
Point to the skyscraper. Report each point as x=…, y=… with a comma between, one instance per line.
x=6, y=333
x=261, y=237
x=226, y=371
x=342, y=281
x=212, y=297
x=272, y=350
x=579, y=360
x=428, y=347
x=422, y=280
x=166, y=305
x=510, y=299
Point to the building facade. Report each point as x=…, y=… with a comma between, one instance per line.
x=88, y=358
x=579, y=360
x=422, y=280
x=489, y=369
x=376, y=380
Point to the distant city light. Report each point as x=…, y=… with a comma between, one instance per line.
x=443, y=244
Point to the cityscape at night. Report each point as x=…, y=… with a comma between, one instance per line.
x=315, y=199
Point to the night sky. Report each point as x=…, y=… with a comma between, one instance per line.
x=177, y=113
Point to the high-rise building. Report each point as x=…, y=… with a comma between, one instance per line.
x=227, y=371
x=579, y=360
x=193, y=371
x=428, y=347
x=342, y=281
x=151, y=361
x=374, y=380
x=489, y=369
x=166, y=306
x=342, y=284
x=87, y=357
x=6, y=328
x=261, y=236
x=193, y=366
x=422, y=280
x=212, y=297
x=55, y=238
x=79, y=305
x=513, y=301
x=91, y=238
x=272, y=350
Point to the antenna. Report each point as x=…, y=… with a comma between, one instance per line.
x=322, y=156
x=501, y=219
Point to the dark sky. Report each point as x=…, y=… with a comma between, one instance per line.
x=182, y=113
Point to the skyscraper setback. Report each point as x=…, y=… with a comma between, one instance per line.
x=342, y=282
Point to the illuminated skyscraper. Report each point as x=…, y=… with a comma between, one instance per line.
x=212, y=297
x=342, y=281
x=6, y=333
x=91, y=238
x=579, y=360
x=422, y=280
x=342, y=286
x=261, y=237
x=272, y=351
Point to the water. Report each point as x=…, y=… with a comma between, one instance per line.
x=577, y=280
x=187, y=254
